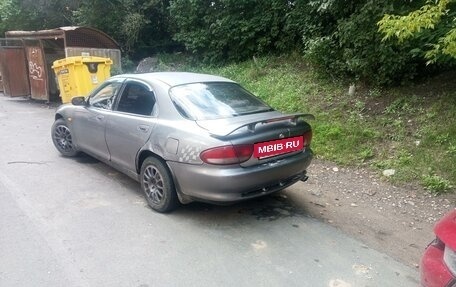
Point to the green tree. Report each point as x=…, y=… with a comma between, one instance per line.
x=434, y=22
x=140, y=26
x=107, y=16
x=35, y=14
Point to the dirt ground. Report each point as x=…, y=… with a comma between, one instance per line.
x=391, y=219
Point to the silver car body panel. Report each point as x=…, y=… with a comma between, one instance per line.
x=89, y=130
x=235, y=183
x=126, y=134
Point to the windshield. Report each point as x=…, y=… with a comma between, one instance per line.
x=208, y=101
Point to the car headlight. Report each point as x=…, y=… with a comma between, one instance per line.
x=449, y=257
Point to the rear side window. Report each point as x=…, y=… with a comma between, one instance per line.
x=207, y=101
x=136, y=99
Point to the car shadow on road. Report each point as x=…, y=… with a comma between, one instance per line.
x=86, y=159
x=268, y=208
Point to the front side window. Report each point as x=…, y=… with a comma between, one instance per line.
x=104, y=97
x=207, y=101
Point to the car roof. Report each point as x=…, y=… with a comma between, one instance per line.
x=176, y=78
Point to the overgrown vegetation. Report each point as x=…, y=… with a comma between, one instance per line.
x=338, y=37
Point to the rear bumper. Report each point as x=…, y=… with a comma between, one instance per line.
x=225, y=184
x=434, y=272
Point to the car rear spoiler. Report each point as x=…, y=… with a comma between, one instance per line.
x=293, y=118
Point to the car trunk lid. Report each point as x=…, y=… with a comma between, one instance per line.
x=273, y=134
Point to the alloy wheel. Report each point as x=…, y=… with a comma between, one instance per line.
x=153, y=184
x=63, y=138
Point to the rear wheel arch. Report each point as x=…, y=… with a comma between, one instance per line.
x=147, y=153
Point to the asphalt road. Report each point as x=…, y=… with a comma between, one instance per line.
x=78, y=222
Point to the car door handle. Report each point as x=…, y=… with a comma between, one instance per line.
x=99, y=117
x=143, y=128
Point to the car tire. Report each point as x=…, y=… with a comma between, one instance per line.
x=158, y=186
x=63, y=139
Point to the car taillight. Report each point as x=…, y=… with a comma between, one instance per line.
x=230, y=154
x=307, y=138
x=449, y=257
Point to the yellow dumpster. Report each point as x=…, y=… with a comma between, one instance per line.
x=77, y=76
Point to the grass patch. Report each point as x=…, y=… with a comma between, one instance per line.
x=435, y=184
x=410, y=129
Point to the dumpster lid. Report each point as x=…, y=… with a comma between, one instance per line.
x=79, y=60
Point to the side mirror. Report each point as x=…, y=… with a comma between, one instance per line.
x=78, y=101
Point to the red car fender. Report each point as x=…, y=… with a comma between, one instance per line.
x=445, y=229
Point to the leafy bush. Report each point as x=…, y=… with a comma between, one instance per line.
x=435, y=21
x=323, y=54
x=226, y=30
x=354, y=47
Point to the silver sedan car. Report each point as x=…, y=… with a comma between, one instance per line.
x=187, y=137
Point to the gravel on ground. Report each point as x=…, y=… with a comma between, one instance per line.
x=397, y=220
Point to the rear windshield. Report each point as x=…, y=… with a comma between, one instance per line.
x=208, y=101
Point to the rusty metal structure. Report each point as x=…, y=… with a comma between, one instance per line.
x=35, y=51
x=13, y=68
